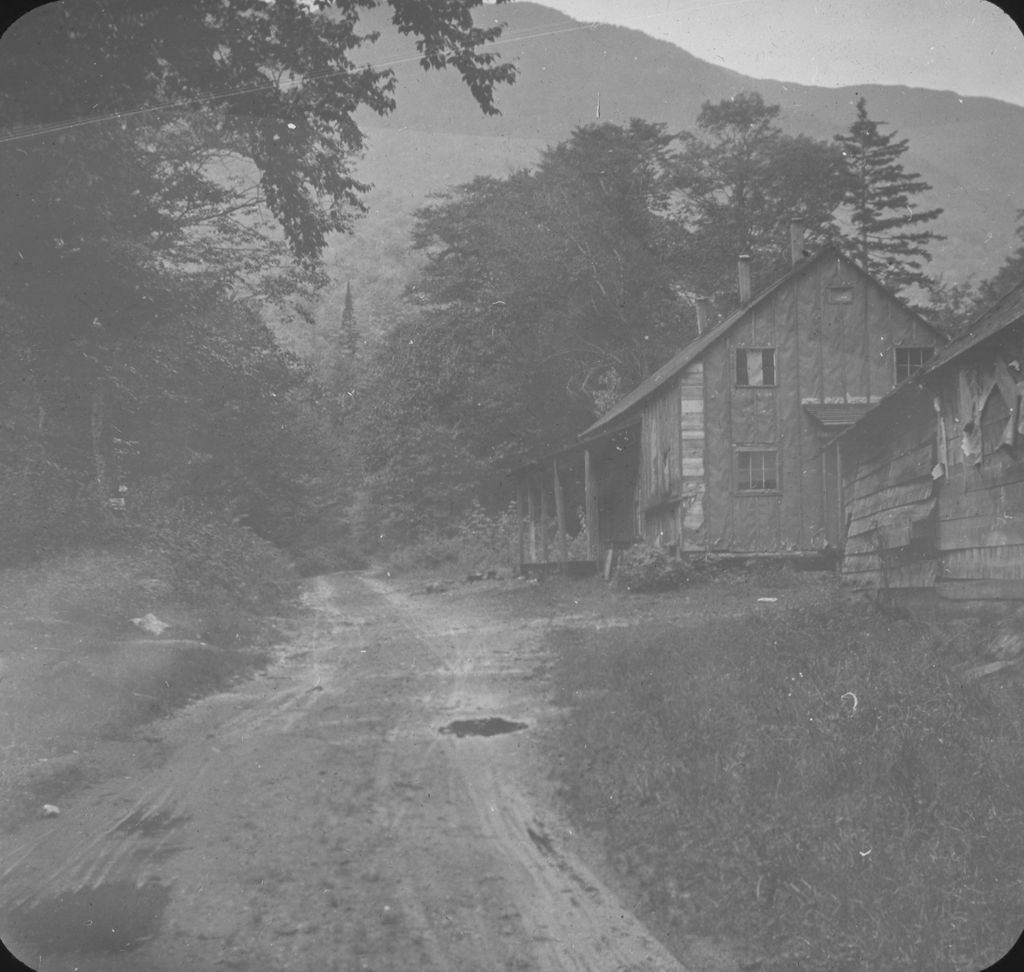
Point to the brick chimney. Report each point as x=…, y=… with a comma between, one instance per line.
x=702, y=315
x=743, y=271
x=796, y=240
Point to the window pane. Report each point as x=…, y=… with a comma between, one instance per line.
x=754, y=371
x=909, y=361
x=755, y=368
x=741, y=368
x=758, y=470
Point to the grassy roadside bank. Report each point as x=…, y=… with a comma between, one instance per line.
x=76, y=670
x=819, y=782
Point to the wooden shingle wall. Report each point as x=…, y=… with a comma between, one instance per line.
x=981, y=501
x=933, y=503
x=891, y=500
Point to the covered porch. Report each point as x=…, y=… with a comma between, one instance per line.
x=577, y=506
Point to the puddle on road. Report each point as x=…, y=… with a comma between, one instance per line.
x=492, y=726
x=112, y=918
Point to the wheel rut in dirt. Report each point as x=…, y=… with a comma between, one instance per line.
x=319, y=817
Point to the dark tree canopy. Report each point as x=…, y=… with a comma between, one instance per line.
x=545, y=295
x=140, y=142
x=888, y=237
x=742, y=180
x=548, y=294
x=283, y=76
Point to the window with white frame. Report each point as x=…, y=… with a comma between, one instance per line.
x=909, y=361
x=755, y=367
x=757, y=470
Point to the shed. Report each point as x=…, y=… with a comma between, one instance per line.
x=934, y=476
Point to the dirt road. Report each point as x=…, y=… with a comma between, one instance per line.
x=317, y=818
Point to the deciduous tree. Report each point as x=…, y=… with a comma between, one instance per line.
x=741, y=181
x=544, y=296
x=284, y=73
x=138, y=142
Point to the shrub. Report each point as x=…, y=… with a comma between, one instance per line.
x=46, y=509
x=487, y=539
x=645, y=567
x=427, y=554
x=479, y=540
x=211, y=560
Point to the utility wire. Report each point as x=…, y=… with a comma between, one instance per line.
x=238, y=92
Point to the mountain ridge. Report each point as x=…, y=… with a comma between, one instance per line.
x=965, y=146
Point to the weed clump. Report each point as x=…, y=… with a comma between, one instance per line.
x=645, y=567
x=819, y=782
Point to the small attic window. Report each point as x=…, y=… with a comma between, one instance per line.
x=909, y=361
x=840, y=294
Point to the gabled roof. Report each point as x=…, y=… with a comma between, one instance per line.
x=695, y=348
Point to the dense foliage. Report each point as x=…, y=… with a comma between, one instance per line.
x=548, y=294
x=544, y=295
x=171, y=172
x=741, y=181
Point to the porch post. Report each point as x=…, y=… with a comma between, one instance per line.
x=590, y=507
x=532, y=503
x=521, y=526
x=563, y=540
x=545, y=515
x=841, y=529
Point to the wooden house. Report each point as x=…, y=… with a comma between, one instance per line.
x=726, y=447
x=934, y=476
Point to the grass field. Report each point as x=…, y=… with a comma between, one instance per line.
x=74, y=667
x=817, y=781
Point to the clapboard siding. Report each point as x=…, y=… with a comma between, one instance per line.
x=671, y=485
x=1004, y=562
x=881, y=474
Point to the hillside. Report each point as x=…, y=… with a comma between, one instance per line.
x=967, y=148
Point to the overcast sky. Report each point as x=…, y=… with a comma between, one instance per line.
x=968, y=46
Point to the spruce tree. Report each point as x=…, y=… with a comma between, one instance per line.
x=886, y=238
x=349, y=333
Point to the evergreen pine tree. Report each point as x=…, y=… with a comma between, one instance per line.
x=886, y=238
x=349, y=333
